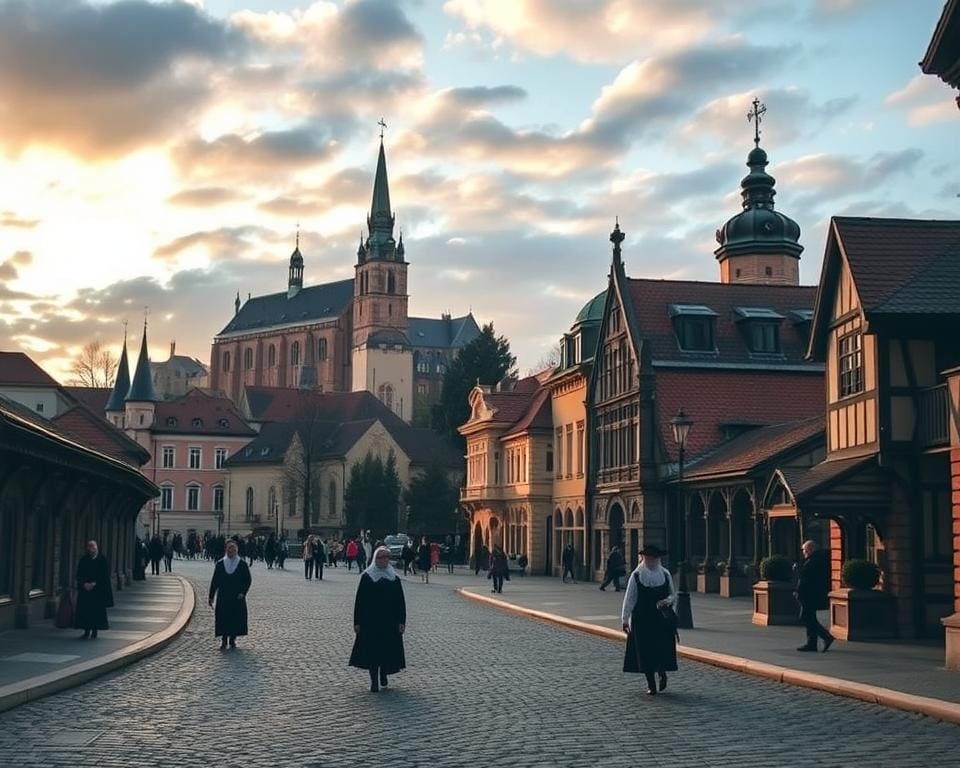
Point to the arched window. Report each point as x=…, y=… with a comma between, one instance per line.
x=333, y=499
x=272, y=501
x=385, y=393
x=295, y=353
x=226, y=362
x=322, y=349
x=249, y=503
x=247, y=359
x=271, y=356
x=391, y=283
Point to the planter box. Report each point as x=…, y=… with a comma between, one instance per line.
x=708, y=582
x=774, y=604
x=734, y=586
x=862, y=614
x=952, y=626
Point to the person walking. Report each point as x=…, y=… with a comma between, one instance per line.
x=449, y=554
x=499, y=568
x=423, y=560
x=362, y=560
x=367, y=548
x=408, y=556
x=229, y=586
x=649, y=620
x=283, y=549
x=156, y=555
x=270, y=551
x=568, y=558
x=483, y=560
x=140, y=557
x=616, y=568
x=94, y=593
x=813, y=588
x=167, y=555
x=308, y=547
x=379, y=621
x=319, y=557
x=351, y=553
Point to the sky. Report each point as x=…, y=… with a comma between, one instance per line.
x=161, y=155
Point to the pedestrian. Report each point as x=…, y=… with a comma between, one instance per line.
x=140, y=557
x=568, y=558
x=367, y=549
x=229, y=585
x=408, y=556
x=499, y=568
x=483, y=560
x=156, y=555
x=813, y=588
x=283, y=549
x=319, y=557
x=448, y=554
x=379, y=621
x=351, y=553
x=649, y=620
x=167, y=555
x=361, y=556
x=434, y=556
x=423, y=560
x=616, y=568
x=522, y=563
x=308, y=547
x=270, y=551
x=94, y=593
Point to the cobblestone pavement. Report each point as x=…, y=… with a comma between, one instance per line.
x=483, y=688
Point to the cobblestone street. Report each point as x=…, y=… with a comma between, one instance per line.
x=482, y=688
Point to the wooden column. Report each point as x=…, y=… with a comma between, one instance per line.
x=952, y=623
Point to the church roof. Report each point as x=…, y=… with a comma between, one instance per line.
x=200, y=413
x=121, y=385
x=446, y=331
x=141, y=388
x=311, y=304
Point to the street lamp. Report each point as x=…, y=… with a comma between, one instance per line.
x=681, y=424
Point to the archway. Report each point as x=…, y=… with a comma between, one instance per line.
x=744, y=536
x=548, y=560
x=616, y=526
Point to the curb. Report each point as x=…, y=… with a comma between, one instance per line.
x=37, y=687
x=872, y=694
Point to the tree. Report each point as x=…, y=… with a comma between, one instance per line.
x=548, y=360
x=372, y=496
x=94, y=366
x=485, y=360
x=432, y=501
x=300, y=474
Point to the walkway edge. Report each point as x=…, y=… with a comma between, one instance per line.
x=885, y=697
x=37, y=687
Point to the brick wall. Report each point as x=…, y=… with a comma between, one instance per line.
x=836, y=554
x=899, y=571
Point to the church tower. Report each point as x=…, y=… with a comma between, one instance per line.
x=295, y=278
x=116, y=405
x=759, y=244
x=382, y=361
x=140, y=403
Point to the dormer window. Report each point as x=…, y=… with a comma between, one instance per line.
x=802, y=318
x=693, y=325
x=196, y=423
x=223, y=423
x=171, y=421
x=761, y=328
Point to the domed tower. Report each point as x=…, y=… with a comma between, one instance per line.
x=295, y=279
x=759, y=244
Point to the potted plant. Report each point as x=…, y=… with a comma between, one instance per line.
x=708, y=577
x=733, y=580
x=860, y=611
x=773, y=599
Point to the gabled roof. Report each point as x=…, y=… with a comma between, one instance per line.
x=95, y=398
x=141, y=386
x=539, y=415
x=312, y=304
x=943, y=54
x=189, y=366
x=526, y=407
x=655, y=304
x=92, y=430
x=445, y=332
x=265, y=404
x=217, y=415
x=17, y=369
x=121, y=385
x=757, y=448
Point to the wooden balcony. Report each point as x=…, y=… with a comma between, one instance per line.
x=933, y=419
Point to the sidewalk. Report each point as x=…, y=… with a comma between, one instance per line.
x=41, y=660
x=906, y=675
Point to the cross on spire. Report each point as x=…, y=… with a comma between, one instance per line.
x=383, y=127
x=146, y=313
x=298, y=235
x=756, y=116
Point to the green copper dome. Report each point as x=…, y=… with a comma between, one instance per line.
x=592, y=311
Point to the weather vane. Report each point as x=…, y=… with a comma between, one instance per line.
x=756, y=115
x=383, y=127
x=298, y=235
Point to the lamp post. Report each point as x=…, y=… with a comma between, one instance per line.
x=681, y=424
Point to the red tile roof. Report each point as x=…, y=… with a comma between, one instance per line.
x=200, y=413
x=16, y=369
x=538, y=415
x=280, y=404
x=717, y=397
x=93, y=431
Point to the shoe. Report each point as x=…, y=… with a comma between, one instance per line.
x=807, y=649
x=651, y=691
x=93, y=635
x=493, y=591
x=223, y=644
x=663, y=682
x=233, y=642
x=383, y=681
x=603, y=589
x=374, y=688
x=827, y=643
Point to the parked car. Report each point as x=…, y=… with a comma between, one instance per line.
x=395, y=543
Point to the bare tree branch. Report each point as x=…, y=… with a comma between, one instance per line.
x=94, y=366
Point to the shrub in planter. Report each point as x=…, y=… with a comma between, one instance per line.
x=776, y=568
x=723, y=568
x=707, y=566
x=860, y=574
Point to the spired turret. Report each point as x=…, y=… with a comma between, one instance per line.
x=121, y=386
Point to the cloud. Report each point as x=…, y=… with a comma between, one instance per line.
x=11, y=219
x=10, y=271
x=218, y=244
x=100, y=80
x=204, y=197
x=925, y=99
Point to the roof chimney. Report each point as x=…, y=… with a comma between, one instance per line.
x=173, y=348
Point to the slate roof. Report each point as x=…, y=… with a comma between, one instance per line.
x=651, y=302
x=943, y=53
x=539, y=414
x=826, y=473
x=189, y=366
x=17, y=369
x=446, y=332
x=92, y=430
x=756, y=448
x=217, y=414
x=312, y=304
x=95, y=398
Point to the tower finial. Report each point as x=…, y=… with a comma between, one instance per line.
x=616, y=237
x=755, y=115
x=298, y=235
x=383, y=127
x=124, y=332
x=146, y=312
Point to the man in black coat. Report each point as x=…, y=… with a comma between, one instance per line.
x=813, y=586
x=616, y=568
x=94, y=593
x=156, y=555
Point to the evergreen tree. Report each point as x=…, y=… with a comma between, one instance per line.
x=372, y=496
x=485, y=360
x=432, y=500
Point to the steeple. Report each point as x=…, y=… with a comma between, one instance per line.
x=381, y=218
x=122, y=384
x=617, y=237
x=295, y=279
x=141, y=390
x=236, y=304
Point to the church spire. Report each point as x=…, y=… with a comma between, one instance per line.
x=122, y=384
x=295, y=278
x=380, y=220
x=141, y=390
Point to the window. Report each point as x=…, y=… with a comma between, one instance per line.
x=168, y=456
x=385, y=393
x=247, y=359
x=580, y=449
x=248, y=505
x=225, y=423
x=695, y=334
x=441, y=367
x=764, y=337
x=194, y=455
x=271, y=356
x=220, y=456
x=569, y=456
x=496, y=467
x=226, y=362
x=166, y=498
x=295, y=353
x=549, y=459
x=39, y=407
x=272, y=502
x=218, y=498
x=423, y=365
x=171, y=421
x=332, y=500
x=391, y=283
x=558, y=450
x=322, y=349
x=768, y=271
x=193, y=498
x=851, y=364
x=196, y=423
x=421, y=389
